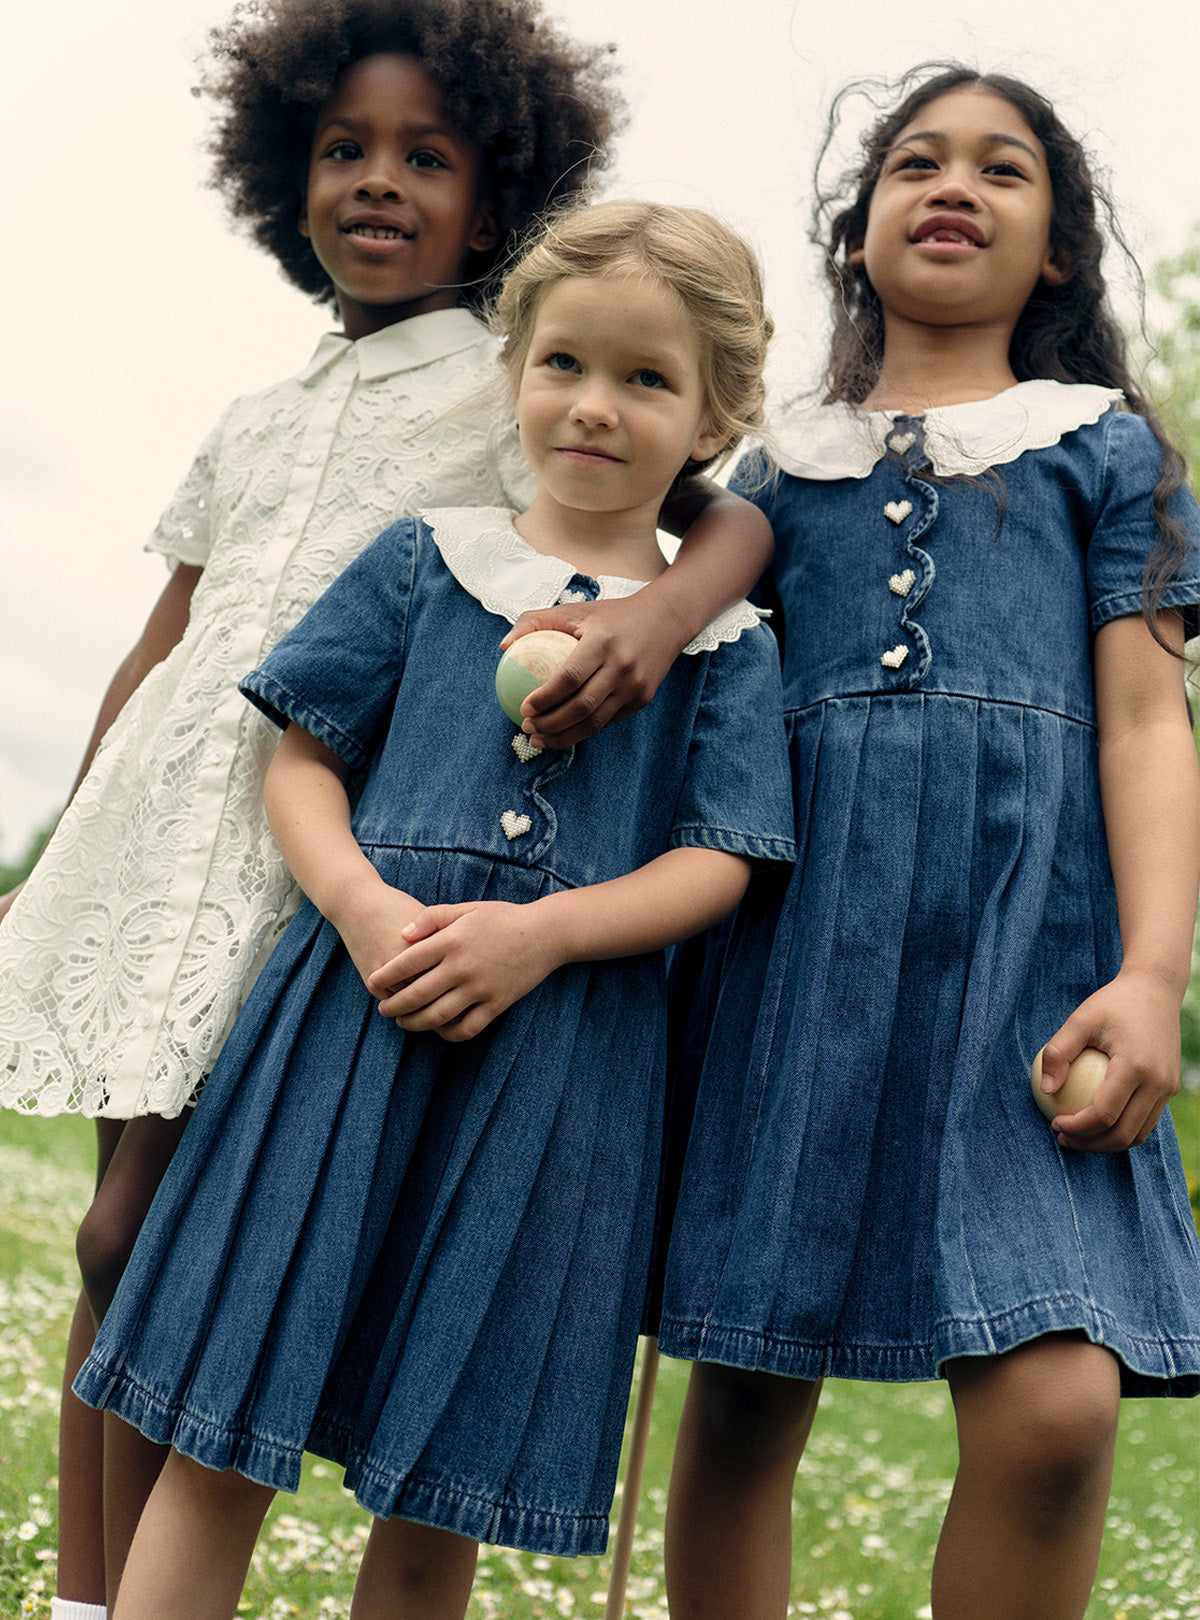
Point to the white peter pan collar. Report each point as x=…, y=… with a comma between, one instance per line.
x=402, y=346
x=489, y=559
x=825, y=442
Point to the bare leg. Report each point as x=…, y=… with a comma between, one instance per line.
x=1036, y=1434
x=728, y=1548
x=81, y=1443
x=414, y=1572
x=135, y=1164
x=80, y=1477
x=192, y=1549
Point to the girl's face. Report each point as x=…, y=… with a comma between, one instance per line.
x=393, y=206
x=610, y=401
x=958, y=229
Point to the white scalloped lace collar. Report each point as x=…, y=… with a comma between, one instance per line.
x=842, y=441
x=489, y=559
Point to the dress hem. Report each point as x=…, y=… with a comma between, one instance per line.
x=1149, y=1367
x=276, y=1463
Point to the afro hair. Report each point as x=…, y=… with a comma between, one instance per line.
x=541, y=107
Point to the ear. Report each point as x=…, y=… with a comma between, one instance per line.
x=856, y=253
x=1057, y=268
x=486, y=232
x=302, y=224
x=710, y=441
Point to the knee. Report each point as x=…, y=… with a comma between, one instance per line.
x=751, y=1419
x=1062, y=1453
x=103, y=1246
x=1049, y=1432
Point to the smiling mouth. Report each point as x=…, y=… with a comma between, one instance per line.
x=945, y=228
x=379, y=233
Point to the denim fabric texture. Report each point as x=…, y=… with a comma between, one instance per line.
x=869, y=1189
x=423, y=1260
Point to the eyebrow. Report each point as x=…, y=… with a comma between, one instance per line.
x=354, y=125
x=939, y=139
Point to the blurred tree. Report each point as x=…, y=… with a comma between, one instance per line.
x=1172, y=365
x=10, y=876
x=1172, y=371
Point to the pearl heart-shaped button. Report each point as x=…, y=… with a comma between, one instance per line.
x=892, y=659
x=900, y=442
x=898, y=584
x=897, y=510
x=524, y=749
x=513, y=824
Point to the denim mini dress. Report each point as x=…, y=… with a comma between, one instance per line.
x=426, y=1260
x=869, y=1189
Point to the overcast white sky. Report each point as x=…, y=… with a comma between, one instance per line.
x=135, y=314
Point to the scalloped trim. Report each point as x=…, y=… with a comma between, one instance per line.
x=508, y=577
x=824, y=442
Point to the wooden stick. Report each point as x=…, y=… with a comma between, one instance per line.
x=614, y=1606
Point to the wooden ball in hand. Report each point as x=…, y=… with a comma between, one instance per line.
x=1081, y=1085
x=527, y=663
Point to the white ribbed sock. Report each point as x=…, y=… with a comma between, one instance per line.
x=60, y=1609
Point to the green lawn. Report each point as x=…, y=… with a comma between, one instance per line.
x=868, y=1503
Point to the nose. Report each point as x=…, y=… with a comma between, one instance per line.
x=382, y=180
x=594, y=403
x=954, y=189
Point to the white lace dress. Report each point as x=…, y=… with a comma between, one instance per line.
x=128, y=953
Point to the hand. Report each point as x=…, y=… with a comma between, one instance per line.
x=372, y=926
x=1135, y=1019
x=625, y=649
x=463, y=966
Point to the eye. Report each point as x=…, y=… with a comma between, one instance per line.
x=428, y=160
x=916, y=161
x=561, y=362
x=342, y=151
x=1006, y=169
x=645, y=378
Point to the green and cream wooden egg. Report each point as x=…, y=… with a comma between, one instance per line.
x=527, y=663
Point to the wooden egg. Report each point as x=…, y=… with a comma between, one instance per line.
x=1082, y=1083
x=527, y=663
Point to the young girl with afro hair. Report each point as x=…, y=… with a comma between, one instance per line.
x=387, y=153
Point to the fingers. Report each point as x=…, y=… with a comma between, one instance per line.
x=564, y=616
x=565, y=710
x=1121, y=1115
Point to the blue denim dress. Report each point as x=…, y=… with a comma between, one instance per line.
x=424, y=1260
x=869, y=1188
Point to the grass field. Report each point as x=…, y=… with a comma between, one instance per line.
x=867, y=1507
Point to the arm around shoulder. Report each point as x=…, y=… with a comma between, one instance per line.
x=626, y=646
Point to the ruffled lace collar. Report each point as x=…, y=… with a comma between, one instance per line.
x=489, y=559
x=841, y=441
x=400, y=347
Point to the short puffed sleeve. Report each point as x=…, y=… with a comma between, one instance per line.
x=183, y=533
x=737, y=790
x=1125, y=530
x=337, y=672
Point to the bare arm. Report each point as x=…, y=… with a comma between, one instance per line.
x=481, y=957
x=1150, y=786
x=164, y=628
x=627, y=646
x=309, y=812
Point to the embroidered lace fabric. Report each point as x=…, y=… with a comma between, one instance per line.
x=489, y=559
x=128, y=953
x=825, y=442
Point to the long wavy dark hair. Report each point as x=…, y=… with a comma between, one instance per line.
x=1067, y=333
